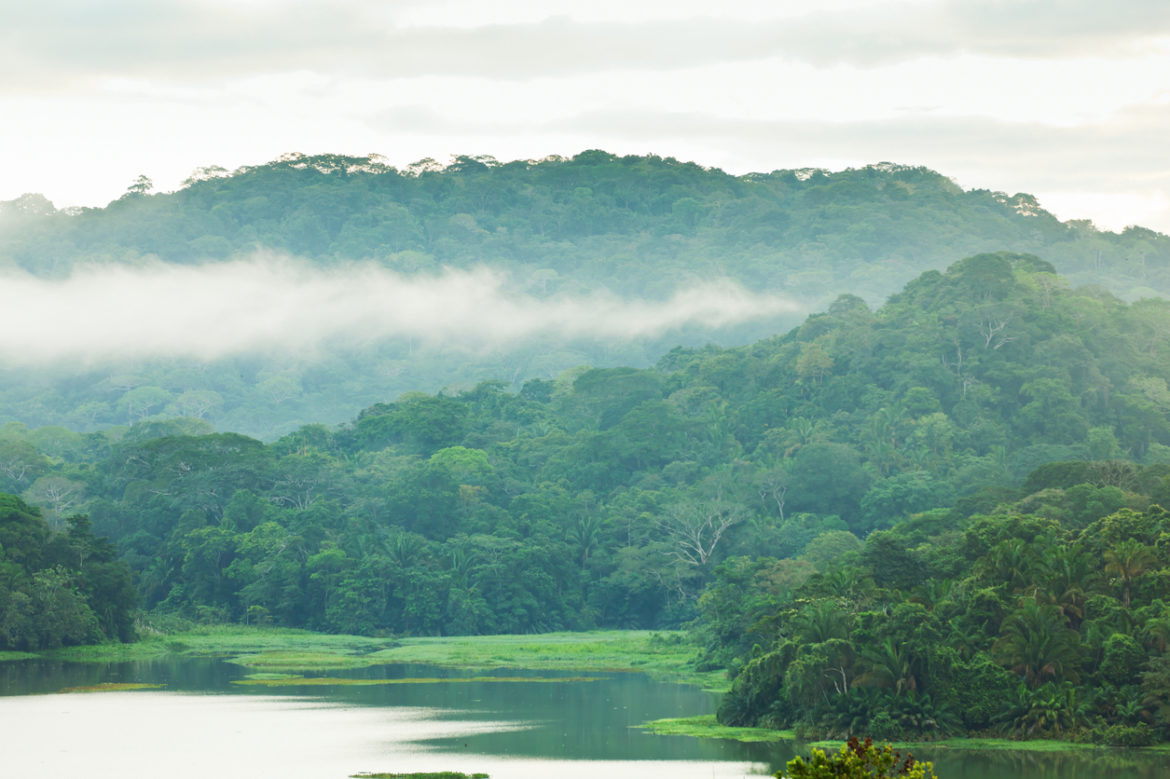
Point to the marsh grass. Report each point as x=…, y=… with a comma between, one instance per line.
x=424, y=775
x=323, y=681
x=705, y=726
x=274, y=647
x=291, y=660
x=114, y=687
x=998, y=745
x=6, y=656
x=662, y=655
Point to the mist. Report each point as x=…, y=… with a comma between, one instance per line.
x=272, y=304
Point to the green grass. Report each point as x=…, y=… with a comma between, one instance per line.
x=114, y=687
x=997, y=744
x=293, y=660
x=663, y=655
x=6, y=656
x=434, y=775
x=325, y=681
x=705, y=726
x=268, y=648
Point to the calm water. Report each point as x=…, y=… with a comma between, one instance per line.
x=202, y=725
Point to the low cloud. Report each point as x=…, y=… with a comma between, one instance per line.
x=269, y=304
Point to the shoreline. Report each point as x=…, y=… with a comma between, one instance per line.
x=663, y=655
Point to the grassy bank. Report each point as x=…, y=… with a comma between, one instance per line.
x=664, y=655
x=268, y=648
x=706, y=727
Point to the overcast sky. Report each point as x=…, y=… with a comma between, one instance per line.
x=1065, y=99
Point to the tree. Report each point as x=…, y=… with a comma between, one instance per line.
x=695, y=528
x=1036, y=642
x=141, y=185
x=1128, y=560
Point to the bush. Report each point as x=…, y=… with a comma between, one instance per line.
x=1139, y=735
x=857, y=760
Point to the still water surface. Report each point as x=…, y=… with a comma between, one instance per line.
x=203, y=725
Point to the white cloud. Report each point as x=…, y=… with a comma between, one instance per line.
x=274, y=304
x=94, y=93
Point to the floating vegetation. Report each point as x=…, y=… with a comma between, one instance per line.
x=114, y=687
x=423, y=775
x=303, y=661
x=270, y=676
x=665, y=655
x=320, y=681
x=705, y=726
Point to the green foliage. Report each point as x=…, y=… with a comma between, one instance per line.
x=425, y=774
x=59, y=589
x=1139, y=735
x=912, y=543
x=639, y=226
x=1027, y=631
x=857, y=760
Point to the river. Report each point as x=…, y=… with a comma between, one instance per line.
x=207, y=719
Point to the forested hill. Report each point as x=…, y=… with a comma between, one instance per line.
x=642, y=228
x=633, y=224
x=611, y=496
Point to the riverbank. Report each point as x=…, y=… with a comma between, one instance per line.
x=705, y=726
x=664, y=655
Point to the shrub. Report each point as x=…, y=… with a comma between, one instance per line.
x=857, y=760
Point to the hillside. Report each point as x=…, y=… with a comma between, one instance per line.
x=458, y=513
x=643, y=228
x=636, y=224
x=943, y=516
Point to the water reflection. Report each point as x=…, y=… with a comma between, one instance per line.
x=1087, y=764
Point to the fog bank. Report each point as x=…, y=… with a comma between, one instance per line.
x=271, y=304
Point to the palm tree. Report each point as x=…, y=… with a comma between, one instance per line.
x=821, y=621
x=1156, y=631
x=1128, y=560
x=1010, y=561
x=889, y=665
x=1036, y=642
x=1066, y=573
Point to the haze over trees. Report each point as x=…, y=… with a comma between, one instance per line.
x=642, y=227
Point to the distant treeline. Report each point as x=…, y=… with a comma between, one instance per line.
x=637, y=224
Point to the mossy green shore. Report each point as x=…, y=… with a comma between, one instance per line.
x=664, y=654
x=705, y=726
x=278, y=655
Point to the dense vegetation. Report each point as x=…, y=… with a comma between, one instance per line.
x=639, y=226
x=857, y=760
x=59, y=588
x=593, y=220
x=939, y=517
